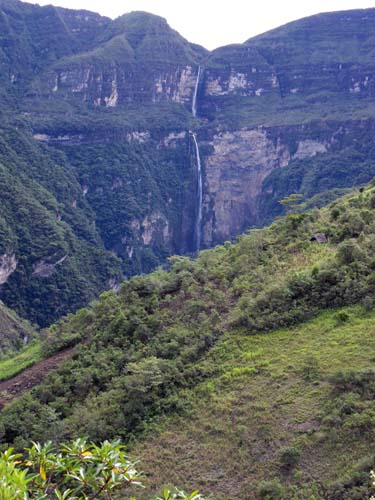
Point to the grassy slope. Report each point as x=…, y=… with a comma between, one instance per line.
x=22, y=360
x=259, y=401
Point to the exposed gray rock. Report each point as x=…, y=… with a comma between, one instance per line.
x=8, y=264
x=45, y=268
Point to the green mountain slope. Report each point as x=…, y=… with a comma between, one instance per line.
x=319, y=67
x=116, y=191
x=97, y=140
x=292, y=408
x=187, y=357
x=47, y=228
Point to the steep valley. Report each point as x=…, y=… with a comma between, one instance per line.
x=190, y=237
x=102, y=122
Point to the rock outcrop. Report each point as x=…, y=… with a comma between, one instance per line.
x=235, y=172
x=8, y=264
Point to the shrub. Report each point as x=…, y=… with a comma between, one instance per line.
x=362, y=382
x=289, y=456
x=310, y=368
x=270, y=490
x=335, y=213
x=348, y=252
x=368, y=303
x=342, y=317
x=361, y=422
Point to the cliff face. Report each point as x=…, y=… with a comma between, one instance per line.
x=313, y=58
x=111, y=87
x=98, y=123
x=235, y=172
x=295, y=96
x=138, y=59
x=243, y=167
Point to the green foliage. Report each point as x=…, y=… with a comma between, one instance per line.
x=179, y=495
x=348, y=252
x=270, y=490
x=342, y=317
x=139, y=348
x=14, y=335
x=310, y=368
x=14, y=482
x=73, y=471
x=292, y=202
x=320, y=179
x=289, y=456
x=356, y=485
x=352, y=407
x=37, y=189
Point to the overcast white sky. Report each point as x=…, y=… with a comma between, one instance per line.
x=213, y=23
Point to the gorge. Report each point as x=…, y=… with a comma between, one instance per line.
x=129, y=144
x=154, y=291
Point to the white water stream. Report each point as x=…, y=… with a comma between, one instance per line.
x=198, y=222
x=194, y=105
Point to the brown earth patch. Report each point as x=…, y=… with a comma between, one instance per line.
x=30, y=377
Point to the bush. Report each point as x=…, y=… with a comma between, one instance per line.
x=342, y=317
x=289, y=456
x=368, y=303
x=349, y=252
x=335, y=213
x=270, y=490
x=310, y=368
x=362, y=382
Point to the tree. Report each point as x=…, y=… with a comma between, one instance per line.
x=293, y=203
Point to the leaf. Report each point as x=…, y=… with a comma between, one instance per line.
x=42, y=473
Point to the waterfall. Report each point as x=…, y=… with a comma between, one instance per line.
x=198, y=221
x=194, y=105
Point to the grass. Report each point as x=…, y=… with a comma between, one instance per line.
x=257, y=402
x=24, y=359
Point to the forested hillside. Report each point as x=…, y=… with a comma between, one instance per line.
x=247, y=370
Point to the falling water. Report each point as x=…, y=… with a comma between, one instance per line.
x=198, y=221
x=194, y=105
